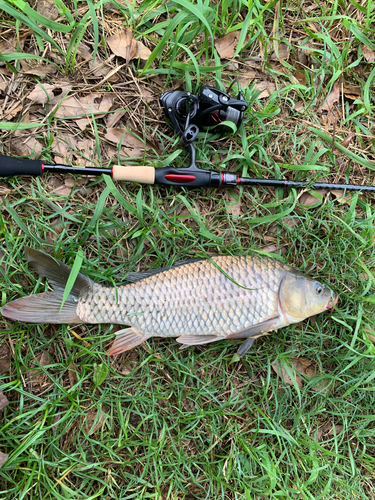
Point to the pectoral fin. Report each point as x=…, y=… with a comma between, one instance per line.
x=188, y=340
x=126, y=339
x=257, y=330
x=245, y=346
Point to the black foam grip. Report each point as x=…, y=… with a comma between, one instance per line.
x=16, y=166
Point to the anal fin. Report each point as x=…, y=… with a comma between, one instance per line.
x=245, y=346
x=126, y=339
x=257, y=330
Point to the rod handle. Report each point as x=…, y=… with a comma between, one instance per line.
x=19, y=166
x=143, y=175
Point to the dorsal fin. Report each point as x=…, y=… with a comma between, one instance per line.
x=134, y=277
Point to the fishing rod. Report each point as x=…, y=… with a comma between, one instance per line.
x=188, y=114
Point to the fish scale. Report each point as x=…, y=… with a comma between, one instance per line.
x=194, y=301
x=174, y=302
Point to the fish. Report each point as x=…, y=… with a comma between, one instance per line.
x=198, y=301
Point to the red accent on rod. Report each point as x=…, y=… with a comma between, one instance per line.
x=112, y=172
x=42, y=168
x=222, y=179
x=180, y=178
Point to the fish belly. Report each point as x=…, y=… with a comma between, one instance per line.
x=194, y=299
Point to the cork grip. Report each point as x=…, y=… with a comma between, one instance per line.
x=143, y=175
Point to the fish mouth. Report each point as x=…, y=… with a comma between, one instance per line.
x=330, y=305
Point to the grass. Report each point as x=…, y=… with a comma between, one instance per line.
x=158, y=422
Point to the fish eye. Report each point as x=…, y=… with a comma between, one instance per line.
x=318, y=288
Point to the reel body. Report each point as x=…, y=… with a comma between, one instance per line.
x=190, y=114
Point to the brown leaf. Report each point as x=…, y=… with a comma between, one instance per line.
x=333, y=97
x=266, y=87
x=3, y=401
x=132, y=145
x=48, y=9
x=37, y=377
x=5, y=355
x=284, y=51
x=49, y=93
x=234, y=207
x=42, y=70
x=327, y=431
x=368, y=53
x=72, y=372
x=123, y=45
x=227, y=45
x=248, y=76
x=3, y=458
x=301, y=365
x=339, y=195
x=92, y=103
x=344, y=143
x=280, y=250
x=6, y=47
x=143, y=52
x=307, y=200
x=94, y=420
x=352, y=91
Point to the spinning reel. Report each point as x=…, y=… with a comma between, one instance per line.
x=210, y=108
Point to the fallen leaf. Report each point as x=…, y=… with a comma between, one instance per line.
x=227, y=45
x=344, y=143
x=368, y=53
x=247, y=77
x=234, y=205
x=36, y=377
x=3, y=458
x=284, y=51
x=302, y=365
x=5, y=355
x=43, y=93
x=352, y=92
x=339, y=195
x=72, y=372
x=266, y=89
x=143, y=52
x=92, y=103
x=42, y=70
x=94, y=420
x=147, y=95
x=332, y=98
x=308, y=200
x=327, y=431
x=57, y=226
x=132, y=145
x=280, y=250
x=123, y=45
x=3, y=401
x=12, y=111
x=301, y=77
x=6, y=47
x=48, y=9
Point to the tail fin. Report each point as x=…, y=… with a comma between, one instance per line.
x=45, y=307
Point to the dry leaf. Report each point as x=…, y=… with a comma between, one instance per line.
x=133, y=146
x=42, y=70
x=143, y=52
x=227, y=45
x=284, y=51
x=266, y=89
x=352, y=91
x=94, y=420
x=49, y=93
x=37, y=377
x=247, y=77
x=301, y=365
x=339, y=195
x=123, y=45
x=6, y=47
x=92, y=103
x=72, y=372
x=147, y=95
x=327, y=431
x=3, y=401
x=5, y=355
x=368, y=53
x=280, y=250
x=308, y=200
x=344, y=143
x=48, y=9
x=3, y=458
x=234, y=207
x=333, y=97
